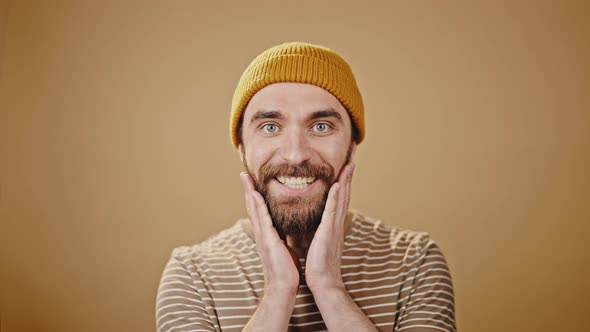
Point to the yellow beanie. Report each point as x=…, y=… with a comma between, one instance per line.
x=300, y=63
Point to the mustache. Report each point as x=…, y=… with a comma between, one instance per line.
x=305, y=169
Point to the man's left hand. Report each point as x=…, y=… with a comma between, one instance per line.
x=322, y=268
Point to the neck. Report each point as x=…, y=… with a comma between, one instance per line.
x=299, y=240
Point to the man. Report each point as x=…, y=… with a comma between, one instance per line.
x=302, y=261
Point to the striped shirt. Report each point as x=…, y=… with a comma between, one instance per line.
x=398, y=278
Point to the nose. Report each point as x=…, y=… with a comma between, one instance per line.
x=296, y=148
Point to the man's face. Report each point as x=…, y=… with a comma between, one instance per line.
x=296, y=138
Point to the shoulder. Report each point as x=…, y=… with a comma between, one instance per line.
x=412, y=244
x=365, y=226
x=229, y=244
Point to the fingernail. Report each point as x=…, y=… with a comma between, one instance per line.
x=243, y=179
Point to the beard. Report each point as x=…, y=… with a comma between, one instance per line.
x=296, y=215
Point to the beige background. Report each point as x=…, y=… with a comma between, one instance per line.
x=115, y=147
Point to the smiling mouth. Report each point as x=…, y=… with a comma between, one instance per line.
x=296, y=182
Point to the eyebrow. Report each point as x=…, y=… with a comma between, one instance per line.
x=266, y=115
x=329, y=113
x=321, y=114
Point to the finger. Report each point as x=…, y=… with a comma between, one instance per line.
x=344, y=196
x=340, y=209
x=343, y=202
x=250, y=203
x=255, y=199
x=261, y=210
x=247, y=181
x=348, y=188
x=267, y=228
x=243, y=179
x=258, y=205
x=343, y=176
x=330, y=210
x=257, y=202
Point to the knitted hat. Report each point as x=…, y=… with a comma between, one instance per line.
x=300, y=63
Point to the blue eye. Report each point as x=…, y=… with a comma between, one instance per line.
x=321, y=127
x=270, y=128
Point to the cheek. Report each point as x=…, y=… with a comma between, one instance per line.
x=338, y=164
x=336, y=157
x=336, y=154
x=255, y=158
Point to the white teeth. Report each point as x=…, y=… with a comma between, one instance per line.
x=295, y=182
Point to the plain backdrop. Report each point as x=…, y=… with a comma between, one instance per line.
x=115, y=146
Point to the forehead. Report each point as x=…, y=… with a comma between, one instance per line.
x=293, y=100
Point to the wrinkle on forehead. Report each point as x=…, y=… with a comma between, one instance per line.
x=296, y=99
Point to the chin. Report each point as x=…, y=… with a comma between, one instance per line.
x=293, y=216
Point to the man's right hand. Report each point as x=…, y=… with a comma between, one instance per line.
x=281, y=275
